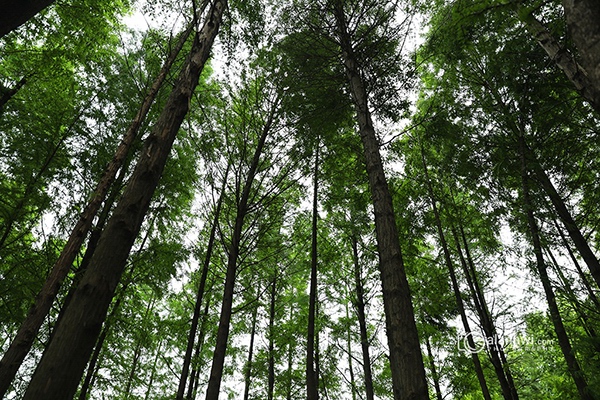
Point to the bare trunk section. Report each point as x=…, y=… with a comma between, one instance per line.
x=216, y=372
x=582, y=20
x=362, y=321
x=14, y=13
x=312, y=379
x=200, y=293
x=248, y=371
x=406, y=360
x=559, y=328
x=64, y=360
x=563, y=58
x=21, y=344
x=456, y=289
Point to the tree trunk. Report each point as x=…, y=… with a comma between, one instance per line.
x=195, y=374
x=563, y=58
x=312, y=379
x=349, y=351
x=62, y=364
x=21, y=344
x=362, y=322
x=7, y=94
x=216, y=372
x=406, y=361
x=14, y=13
x=582, y=20
x=434, y=375
x=248, y=371
x=200, y=293
x=456, y=289
x=559, y=329
x=271, y=367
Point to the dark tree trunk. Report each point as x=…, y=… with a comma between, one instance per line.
x=434, y=374
x=271, y=367
x=559, y=328
x=7, y=94
x=582, y=20
x=312, y=379
x=362, y=321
x=21, y=344
x=216, y=372
x=195, y=374
x=456, y=289
x=64, y=360
x=248, y=371
x=406, y=361
x=200, y=293
x=349, y=351
x=14, y=13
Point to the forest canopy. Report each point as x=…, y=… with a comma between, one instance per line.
x=336, y=199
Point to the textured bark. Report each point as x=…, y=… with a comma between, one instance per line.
x=63, y=362
x=559, y=328
x=406, y=360
x=582, y=21
x=312, y=379
x=216, y=371
x=362, y=322
x=580, y=79
x=187, y=359
x=14, y=13
x=21, y=344
x=457, y=295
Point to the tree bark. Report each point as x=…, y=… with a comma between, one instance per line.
x=406, y=360
x=21, y=344
x=64, y=360
x=200, y=293
x=362, y=322
x=456, y=289
x=312, y=379
x=582, y=21
x=216, y=372
x=580, y=79
x=559, y=328
x=14, y=13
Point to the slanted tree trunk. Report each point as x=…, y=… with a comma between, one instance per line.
x=362, y=321
x=7, y=94
x=564, y=59
x=559, y=328
x=312, y=379
x=456, y=289
x=216, y=372
x=196, y=365
x=21, y=344
x=200, y=293
x=64, y=360
x=434, y=374
x=406, y=361
x=582, y=20
x=271, y=350
x=14, y=13
x=349, y=351
x=248, y=369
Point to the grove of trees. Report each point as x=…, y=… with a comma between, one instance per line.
x=335, y=199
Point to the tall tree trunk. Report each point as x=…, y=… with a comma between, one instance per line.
x=559, y=328
x=456, y=289
x=565, y=216
x=271, y=366
x=582, y=20
x=495, y=350
x=14, y=13
x=150, y=384
x=406, y=360
x=434, y=374
x=7, y=94
x=200, y=293
x=137, y=353
x=62, y=364
x=362, y=321
x=349, y=351
x=579, y=77
x=248, y=369
x=312, y=379
x=196, y=365
x=28, y=330
x=216, y=372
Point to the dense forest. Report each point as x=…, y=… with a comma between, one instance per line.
x=335, y=199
